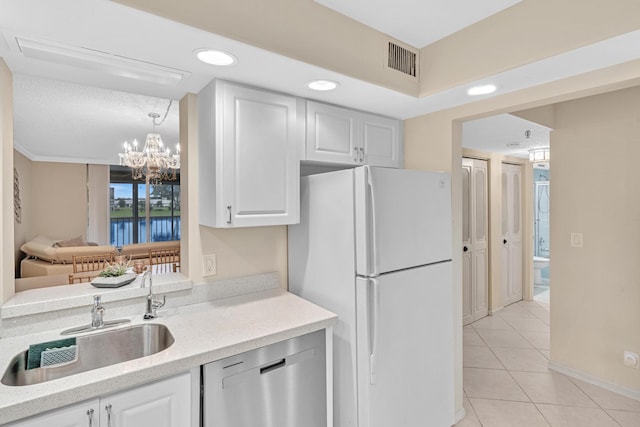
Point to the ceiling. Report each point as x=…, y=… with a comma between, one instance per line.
x=418, y=22
x=82, y=109
x=504, y=134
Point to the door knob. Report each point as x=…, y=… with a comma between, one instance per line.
x=465, y=249
x=504, y=241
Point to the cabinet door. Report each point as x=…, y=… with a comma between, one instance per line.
x=260, y=162
x=382, y=141
x=331, y=134
x=84, y=414
x=165, y=403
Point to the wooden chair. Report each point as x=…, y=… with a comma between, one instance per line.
x=87, y=267
x=164, y=260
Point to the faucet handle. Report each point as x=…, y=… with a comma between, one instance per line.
x=158, y=304
x=97, y=300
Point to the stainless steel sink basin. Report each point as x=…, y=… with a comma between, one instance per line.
x=94, y=351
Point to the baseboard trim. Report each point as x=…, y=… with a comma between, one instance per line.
x=460, y=415
x=633, y=394
x=492, y=311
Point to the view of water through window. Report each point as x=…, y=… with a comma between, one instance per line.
x=127, y=205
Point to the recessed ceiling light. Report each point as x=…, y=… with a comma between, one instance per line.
x=481, y=90
x=322, y=85
x=215, y=57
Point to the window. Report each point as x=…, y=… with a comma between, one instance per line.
x=127, y=205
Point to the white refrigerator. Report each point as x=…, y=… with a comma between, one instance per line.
x=374, y=246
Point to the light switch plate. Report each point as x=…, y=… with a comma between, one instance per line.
x=209, y=265
x=576, y=240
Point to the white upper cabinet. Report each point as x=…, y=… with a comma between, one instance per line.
x=331, y=134
x=381, y=141
x=249, y=164
x=342, y=136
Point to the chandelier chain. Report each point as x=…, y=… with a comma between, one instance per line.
x=166, y=113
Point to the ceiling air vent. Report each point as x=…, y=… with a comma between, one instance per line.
x=402, y=59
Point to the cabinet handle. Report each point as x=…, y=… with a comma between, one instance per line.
x=90, y=415
x=108, y=409
x=361, y=154
x=229, y=214
x=355, y=154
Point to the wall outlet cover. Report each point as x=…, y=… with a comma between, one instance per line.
x=631, y=359
x=209, y=265
x=576, y=240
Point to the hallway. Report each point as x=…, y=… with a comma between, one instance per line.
x=507, y=382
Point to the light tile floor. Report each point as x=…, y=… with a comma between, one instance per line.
x=507, y=382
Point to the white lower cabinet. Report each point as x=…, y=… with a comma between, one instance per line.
x=83, y=414
x=164, y=403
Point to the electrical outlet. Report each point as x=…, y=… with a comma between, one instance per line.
x=631, y=359
x=209, y=265
x=576, y=240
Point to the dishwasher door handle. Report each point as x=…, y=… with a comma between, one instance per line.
x=277, y=365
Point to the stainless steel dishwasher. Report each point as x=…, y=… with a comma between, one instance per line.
x=280, y=385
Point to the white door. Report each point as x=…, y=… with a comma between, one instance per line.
x=331, y=134
x=403, y=219
x=475, y=226
x=85, y=414
x=165, y=403
x=381, y=141
x=261, y=162
x=511, y=233
x=405, y=348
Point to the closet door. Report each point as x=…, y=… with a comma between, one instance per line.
x=475, y=255
x=511, y=233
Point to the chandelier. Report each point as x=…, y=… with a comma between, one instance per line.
x=154, y=162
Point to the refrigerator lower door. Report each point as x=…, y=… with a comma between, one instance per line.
x=405, y=348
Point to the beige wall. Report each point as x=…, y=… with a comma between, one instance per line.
x=299, y=29
x=6, y=186
x=595, y=310
x=529, y=31
x=59, y=200
x=239, y=251
x=22, y=231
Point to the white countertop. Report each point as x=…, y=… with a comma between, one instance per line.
x=203, y=333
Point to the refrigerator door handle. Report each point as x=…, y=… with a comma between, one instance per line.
x=372, y=227
x=374, y=319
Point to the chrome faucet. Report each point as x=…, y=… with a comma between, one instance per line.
x=152, y=305
x=96, y=313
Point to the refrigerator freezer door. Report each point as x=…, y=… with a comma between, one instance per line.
x=403, y=219
x=405, y=348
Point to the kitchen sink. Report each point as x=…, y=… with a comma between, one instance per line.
x=94, y=351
